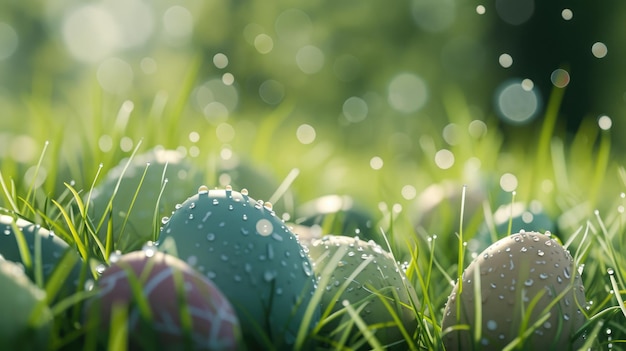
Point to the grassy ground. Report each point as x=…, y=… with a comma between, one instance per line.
x=577, y=179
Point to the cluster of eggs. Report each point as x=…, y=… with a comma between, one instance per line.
x=228, y=273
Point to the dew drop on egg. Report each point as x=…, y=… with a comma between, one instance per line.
x=203, y=189
x=264, y=227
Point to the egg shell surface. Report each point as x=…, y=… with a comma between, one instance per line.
x=20, y=300
x=382, y=275
x=515, y=272
x=252, y=256
x=133, y=229
x=215, y=325
x=52, y=249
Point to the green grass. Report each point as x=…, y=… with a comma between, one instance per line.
x=578, y=179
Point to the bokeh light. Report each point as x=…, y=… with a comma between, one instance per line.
x=263, y=43
x=220, y=60
x=23, y=148
x=481, y=10
x=434, y=15
x=560, y=78
x=294, y=27
x=528, y=84
x=515, y=12
x=306, y=134
x=515, y=103
x=477, y=128
x=408, y=192
x=376, y=163
x=91, y=33
x=599, y=50
x=567, y=14
x=355, y=109
x=8, y=40
x=444, y=159
x=178, y=24
x=216, y=99
x=310, y=59
x=228, y=78
x=508, y=182
x=605, y=122
x=272, y=92
x=96, y=31
x=407, y=93
x=451, y=133
x=225, y=132
x=505, y=60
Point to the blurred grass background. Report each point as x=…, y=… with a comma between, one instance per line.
x=373, y=100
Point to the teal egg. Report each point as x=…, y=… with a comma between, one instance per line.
x=26, y=322
x=337, y=214
x=133, y=227
x=51, y=257
x=254, y=259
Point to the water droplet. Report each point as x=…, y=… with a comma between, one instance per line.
x=244, y=231
x=559, y=279
x=148, y=249
x=610, y=271
x=540, y=253
x=549, y=242
x=192, y=205
x=237, y=278
x=89, y=284
x=224, y=257
x=268, y=205
x=492, y=325
x=229, y=188
x=210, y=236
x=244, y=192
x=230, y=207
x=307, y=268
x=192, y=260
x=543, y=276
x=191, y=216
x=528, y=282
x=216, y=202
x=100, y=268
x=566, y=273
x=268, y=276
x=178, y=206
x=203, y=189
x=206, y=216
x=165, y=220
x=115, y=256
x=244, y=217
x=264, y=227
x=566, y=317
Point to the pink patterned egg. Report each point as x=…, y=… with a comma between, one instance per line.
x=176, y=296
